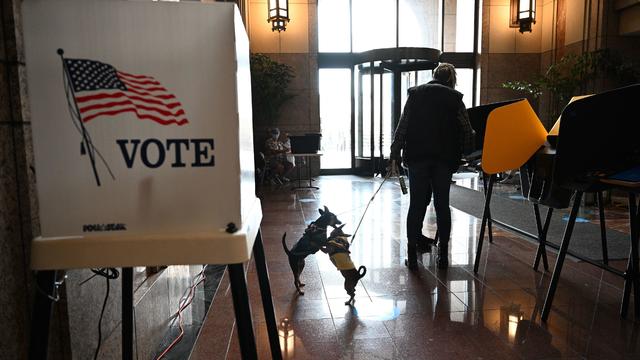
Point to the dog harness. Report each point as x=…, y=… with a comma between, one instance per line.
x=315, y=236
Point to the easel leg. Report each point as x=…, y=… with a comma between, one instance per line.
x=485, y=216
x=267, y=301
x=564, y=246
x=39, y=342
x=243, y=312
x=127, y=313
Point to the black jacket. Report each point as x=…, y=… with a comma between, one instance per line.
x=433, y=131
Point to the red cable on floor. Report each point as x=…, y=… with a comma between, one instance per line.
x=183, y=304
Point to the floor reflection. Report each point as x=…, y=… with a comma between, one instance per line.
x=430, y=314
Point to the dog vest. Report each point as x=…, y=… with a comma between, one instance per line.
x=338, y=249
x=342, y=261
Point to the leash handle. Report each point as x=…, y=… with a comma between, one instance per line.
x=403, y=184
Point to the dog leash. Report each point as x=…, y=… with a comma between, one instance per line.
x=392, y=170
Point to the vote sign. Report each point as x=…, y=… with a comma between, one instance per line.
x=141, y=116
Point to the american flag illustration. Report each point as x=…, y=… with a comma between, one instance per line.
x=100, y=89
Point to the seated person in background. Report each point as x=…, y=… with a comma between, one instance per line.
x=276, y=153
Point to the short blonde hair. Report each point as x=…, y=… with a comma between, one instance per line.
x=446, y=73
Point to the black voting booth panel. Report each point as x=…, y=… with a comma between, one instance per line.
x=478, y=116
x=305, y=144
x=598, y=137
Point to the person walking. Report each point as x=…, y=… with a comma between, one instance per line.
x=433, y=133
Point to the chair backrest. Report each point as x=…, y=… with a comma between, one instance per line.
x=478, y=116
x=514, y=133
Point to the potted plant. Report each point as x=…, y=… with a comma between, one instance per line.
x=269, y=82
x=575, y=74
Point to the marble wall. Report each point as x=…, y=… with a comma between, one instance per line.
x=297, y=47
x=18, y=204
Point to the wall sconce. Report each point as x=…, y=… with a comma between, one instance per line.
x=278, y=14
x=523, y=14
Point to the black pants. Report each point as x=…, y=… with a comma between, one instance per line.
x=427, y=178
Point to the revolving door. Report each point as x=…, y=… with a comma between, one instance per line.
x=381, y=80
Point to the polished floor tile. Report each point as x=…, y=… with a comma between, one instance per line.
x=430, y=313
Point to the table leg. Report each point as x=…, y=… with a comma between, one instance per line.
x=564, y=246
x=308, y=170
x=308, y=165
x=299, y=177
x=127, y=313
x=243, y=311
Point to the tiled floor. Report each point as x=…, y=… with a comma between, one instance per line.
x=431, y=314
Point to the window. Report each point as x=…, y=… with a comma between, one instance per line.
x=335, y=118
x=355, y=26
x=374, y=24
x=465, y=85
x=334, y=34
x=421, y=24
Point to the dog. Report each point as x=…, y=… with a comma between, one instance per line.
x=314, y=237
x=337, y=247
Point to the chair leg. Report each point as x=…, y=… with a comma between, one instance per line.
x=631, y=281
x=564, y=246
x=541, y=253
x=603, y=229
x=489, y=219
x=485, y=217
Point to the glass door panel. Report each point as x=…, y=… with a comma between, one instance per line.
x=357, y=111
x=377, y=114
x=335, y=118
x=366, y=115
x=387, y=113
x=374, y=112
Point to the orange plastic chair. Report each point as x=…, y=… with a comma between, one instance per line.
x=514, y=133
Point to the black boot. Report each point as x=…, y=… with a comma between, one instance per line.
x=442, y=258
x=412, y=258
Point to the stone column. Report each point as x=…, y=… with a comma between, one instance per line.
x=18, y=201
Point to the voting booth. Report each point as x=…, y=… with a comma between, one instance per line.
x=142, y=132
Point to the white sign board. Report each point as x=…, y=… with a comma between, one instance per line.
x=141, y=116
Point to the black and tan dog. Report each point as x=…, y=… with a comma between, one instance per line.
x=338, y=249
x=314, y=237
